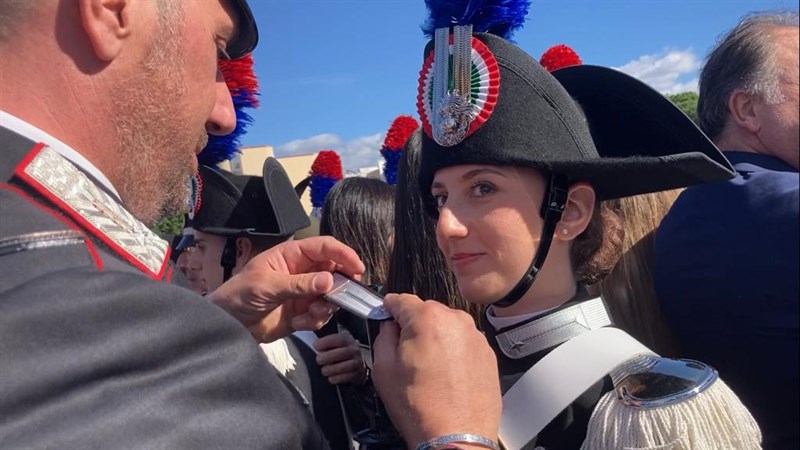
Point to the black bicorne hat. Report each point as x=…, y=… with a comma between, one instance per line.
x=242, y=205
x=300, y=188
x=639, y=141
x=483, y=100
x=246, y=37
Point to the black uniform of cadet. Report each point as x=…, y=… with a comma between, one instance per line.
x=98, y=350
x=267, y=210
x=521, y=115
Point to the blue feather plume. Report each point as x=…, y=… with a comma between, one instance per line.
x=320, y=185
x=390, y=168
x=223, y=148
x=499, y=17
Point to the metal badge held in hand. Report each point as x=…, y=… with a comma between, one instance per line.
x=356, y=298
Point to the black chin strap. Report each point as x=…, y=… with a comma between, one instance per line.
x=552, y=208
x=228, y=259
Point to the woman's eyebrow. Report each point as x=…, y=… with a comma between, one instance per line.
x=480, y=171
x=472, y=174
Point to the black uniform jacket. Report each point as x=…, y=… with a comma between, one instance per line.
x=566, y=431
x=98, y=351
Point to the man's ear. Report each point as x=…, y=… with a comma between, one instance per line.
x=244, y=251
x=742, y=110
x=578, y=212
x=107, y=24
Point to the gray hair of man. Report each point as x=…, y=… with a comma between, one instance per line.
x=12, y=14
x=743, y=59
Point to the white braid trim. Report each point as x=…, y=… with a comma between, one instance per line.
x=278, y=355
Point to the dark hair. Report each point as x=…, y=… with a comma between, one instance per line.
x=595, y=251
x=360, y=213
x=743, y=59
x=417, y=265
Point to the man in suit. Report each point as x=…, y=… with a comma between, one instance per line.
x=726, y=255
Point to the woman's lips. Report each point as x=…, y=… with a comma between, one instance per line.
x=461, y=260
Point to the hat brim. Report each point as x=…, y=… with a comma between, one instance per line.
x=246, y=37
x=283, y=197
x=235, y=232
x=644, y=141
x=186, y=241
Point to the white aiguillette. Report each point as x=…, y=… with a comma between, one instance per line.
x=356, y=298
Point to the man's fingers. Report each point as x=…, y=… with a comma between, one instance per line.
x=332, y=341
x=341, y=368
x=385, y=352
x=326, y=248
x=307, y=285
x=335, y=355
x=401, y=307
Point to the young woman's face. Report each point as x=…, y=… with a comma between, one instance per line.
x=488, y=226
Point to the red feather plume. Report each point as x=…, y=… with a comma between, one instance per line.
x=240, y=77
x=559, y=56
x=327, y=164
x=399, y=132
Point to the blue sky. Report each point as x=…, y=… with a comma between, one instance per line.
x=335, y=73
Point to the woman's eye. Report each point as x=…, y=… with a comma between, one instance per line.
x=440, y=200
x=481, y=189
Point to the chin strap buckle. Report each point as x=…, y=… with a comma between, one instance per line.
x=558, y=190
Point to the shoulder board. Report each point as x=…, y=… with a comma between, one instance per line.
x=60, y=182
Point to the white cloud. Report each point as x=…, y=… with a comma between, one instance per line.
x=668, y=72
x=359, y=152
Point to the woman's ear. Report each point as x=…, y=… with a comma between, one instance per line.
x=578, y=212
x=107, y=24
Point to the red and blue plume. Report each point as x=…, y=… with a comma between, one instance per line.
x=325, y=172
x=243, y=86
x=558, y=57
x=499, y=17
x=399, y=132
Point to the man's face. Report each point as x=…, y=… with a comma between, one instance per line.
x=205, y=272
x=169, y=103
x=780, y=125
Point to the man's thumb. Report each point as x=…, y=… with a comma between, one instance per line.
x=310, y=284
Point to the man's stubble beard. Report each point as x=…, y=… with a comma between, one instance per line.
x=155, y=149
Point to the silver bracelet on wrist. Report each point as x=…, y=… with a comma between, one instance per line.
x=460, y=438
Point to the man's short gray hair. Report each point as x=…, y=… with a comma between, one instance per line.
x=13, y=14
x=743, y=59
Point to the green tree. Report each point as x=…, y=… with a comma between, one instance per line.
x=169, y=225
x=687, y=102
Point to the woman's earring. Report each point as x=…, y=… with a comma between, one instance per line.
x=564, y=231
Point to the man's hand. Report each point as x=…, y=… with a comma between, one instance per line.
x=279, y=290
x=435, y=372
x=340, y=359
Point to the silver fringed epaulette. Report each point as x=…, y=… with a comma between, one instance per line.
x=676, y=404
x=649, y=381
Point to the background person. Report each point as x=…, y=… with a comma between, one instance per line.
x=238, y=217
x=727, y=254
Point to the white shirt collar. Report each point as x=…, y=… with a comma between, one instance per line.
x=33, y=133
x=498, y=323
